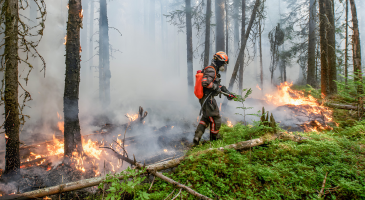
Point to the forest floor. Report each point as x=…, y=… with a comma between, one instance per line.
x=277, y=170
x=328, y=165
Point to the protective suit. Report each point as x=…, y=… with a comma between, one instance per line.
x=210, y=109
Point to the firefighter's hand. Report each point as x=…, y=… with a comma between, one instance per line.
x=230, y=97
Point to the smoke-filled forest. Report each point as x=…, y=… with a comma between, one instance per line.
x=182, y=99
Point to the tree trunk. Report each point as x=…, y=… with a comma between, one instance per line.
x=189, y=41
x=12, y=160
x=347, y=41
x=331, y=42
x=227, y=27
x=243, y=45
x=323, y=42
x=152, y=20
x=312, y=45
x=261, y=64
x=104, y=64
x=207, y=32
x=219, y=31
x=242, y=65
x=72, y=81
x=83, y=33
x=236, y=25
x=91, y=45
x=357, y=55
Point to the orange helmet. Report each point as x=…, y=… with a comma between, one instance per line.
x=221, y=56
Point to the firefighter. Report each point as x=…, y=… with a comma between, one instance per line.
x=211, y=88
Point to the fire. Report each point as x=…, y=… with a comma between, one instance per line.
x=165, y=150
x=68, y=7
x=172, y=127
x=229, y=124
x=286, y=96
x=258, y=87
x=80, y=50
x=6, y=136
x=65, y=40
x=132, y=117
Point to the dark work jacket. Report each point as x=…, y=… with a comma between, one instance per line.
x=210, y=83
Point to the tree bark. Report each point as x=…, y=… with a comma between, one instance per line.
x=236, y=25
x=219, y=31
x=357, y=55
x=331, y=47
x=72, y=81
x=261, y=64
x=311, y=78
x=207, y=32
x=227, y=27
x=242, y=65
x=12, y=160
x=347, y=41
x=189, y=41
x=243, y=45
x=323, y=43
x=104, y=63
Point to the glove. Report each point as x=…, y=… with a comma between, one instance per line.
x=231, y=96
x=216, y=87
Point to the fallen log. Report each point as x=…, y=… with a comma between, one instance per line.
x=67, y=187
x=160, y=175
x=341, y=106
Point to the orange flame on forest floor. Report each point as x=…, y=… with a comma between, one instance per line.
x=132, y=117
x=286, y=96
x=65, y=40
x=258, y=87
x=229, y=124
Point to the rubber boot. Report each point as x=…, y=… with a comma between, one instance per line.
x=198, y=135
x=214, y=136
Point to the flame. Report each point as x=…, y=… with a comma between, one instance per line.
x=172, y=127
x=258, y=87
x=286, y=96
x=68, y=7
x=61, y=126
x=65, y=40
x=165, y=150
x=47, y=198
x=80, y=49
x=229, y=124
x=81, y=14
x=132, y=117
x=6, y=136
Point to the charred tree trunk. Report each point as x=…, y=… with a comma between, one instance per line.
x=261, y=64
x=347, y=41
x=219, y=31
x=311, y=79
x=357, y=55
x=207, y=32
x=104, y=64
x=12, y=160
x=152, y=20
x=323, y=43
x=91, y=45
x=242, y=65
x=72, y=81
x=243, y=45
x=331, y=48
x=189, y=41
